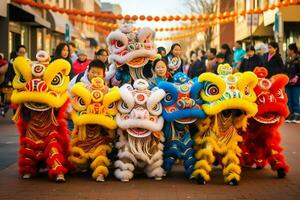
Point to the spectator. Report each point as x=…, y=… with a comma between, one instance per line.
x=80, y=65
x=3, y=68
x=272, y=60
x=10, y=74
x=160, y=72
x=220, y=58
x=238, y=54
x=226, y=51
x=62, y=51
x=251, y=60
x=73, y=55
x=292, y=69
x=211, y=59
x=198, y=67
x=102, y=55
x=162, y=51
x=189, y=62
x=174, y=59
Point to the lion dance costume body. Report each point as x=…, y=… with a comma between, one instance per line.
x=40, y=91
x=130, y=52
x=229, y=100
x=140, y=136
x=94, y=108
x=182, y=106
x=262, y=138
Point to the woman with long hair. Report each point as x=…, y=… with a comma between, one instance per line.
x=62, y=51
x=175, y=62
x=272, y=60
x=227, y=52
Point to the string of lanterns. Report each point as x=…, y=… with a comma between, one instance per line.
x=207, y=20
x=203, y=17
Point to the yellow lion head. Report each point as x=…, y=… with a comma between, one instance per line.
x=94, y=104
x=40, y=85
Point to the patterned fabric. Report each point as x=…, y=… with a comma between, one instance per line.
x=182, y=106
x=140, y=136
x=261, y=143
x=229, y=100
x=94, y=108
x=40, y=91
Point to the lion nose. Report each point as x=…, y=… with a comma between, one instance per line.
x=185, y=103
x=139, y=113
x=37, y=85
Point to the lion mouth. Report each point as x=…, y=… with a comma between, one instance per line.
x=268, y=118
x=186, y=120
x=37, y=106
x=137, y=62
x=138, y=132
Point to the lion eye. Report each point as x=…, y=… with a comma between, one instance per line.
x=57, y=80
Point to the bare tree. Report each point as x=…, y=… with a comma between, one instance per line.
x=199, y=7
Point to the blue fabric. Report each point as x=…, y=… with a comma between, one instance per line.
x=179, y=148
x=293, y=93
x=238, y=55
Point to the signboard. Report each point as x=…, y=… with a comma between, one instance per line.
x=252, y=19
x=67, y=33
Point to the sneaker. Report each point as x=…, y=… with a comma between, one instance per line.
x=296, y=118
x=289, y=118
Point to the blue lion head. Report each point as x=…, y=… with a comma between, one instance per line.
x=182, y=102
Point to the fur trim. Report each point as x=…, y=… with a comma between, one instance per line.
x=232, y=176
x=202, y=173
x=52, y=173
x=231, y=168
x=124, y=166
x=100, y=170
x=157, y=172
x=123, y=175
x=100, y=161
x=203, y=164
x=127, y=155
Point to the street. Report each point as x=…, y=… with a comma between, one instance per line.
x=255, y=184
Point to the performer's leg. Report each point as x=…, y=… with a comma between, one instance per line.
x=27, y=162
x=154, y=169
x=55, y=160
x=100, y=162
x=205, y=159
x=232, y=169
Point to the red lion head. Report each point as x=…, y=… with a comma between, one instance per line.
x=271, y=98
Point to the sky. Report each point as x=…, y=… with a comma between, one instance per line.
x=154, y=7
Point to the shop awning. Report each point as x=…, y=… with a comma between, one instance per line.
x=58, y=22
x=25, y=14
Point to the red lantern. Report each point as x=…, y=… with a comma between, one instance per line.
x=170, y=18
x=127, y=17
x=119, y=17
x=142, y=17
x=149, y=18
x=134, y=17
x=164, y=18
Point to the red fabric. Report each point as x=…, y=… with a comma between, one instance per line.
x=31, y=152
x=261, y=141
x=80, y=67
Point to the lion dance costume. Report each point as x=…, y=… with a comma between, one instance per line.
x=40, y=91
x=140, y=136
x=94, y=108
x=130, y=52
x=229, y=100
x=182, y=106
x=262, y=138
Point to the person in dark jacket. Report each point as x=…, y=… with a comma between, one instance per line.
x=273, y=61
x=251, y=60
x=221, y=60
x=225, y=49
x=292, y=70
x=63, y=51
x=198, y=67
